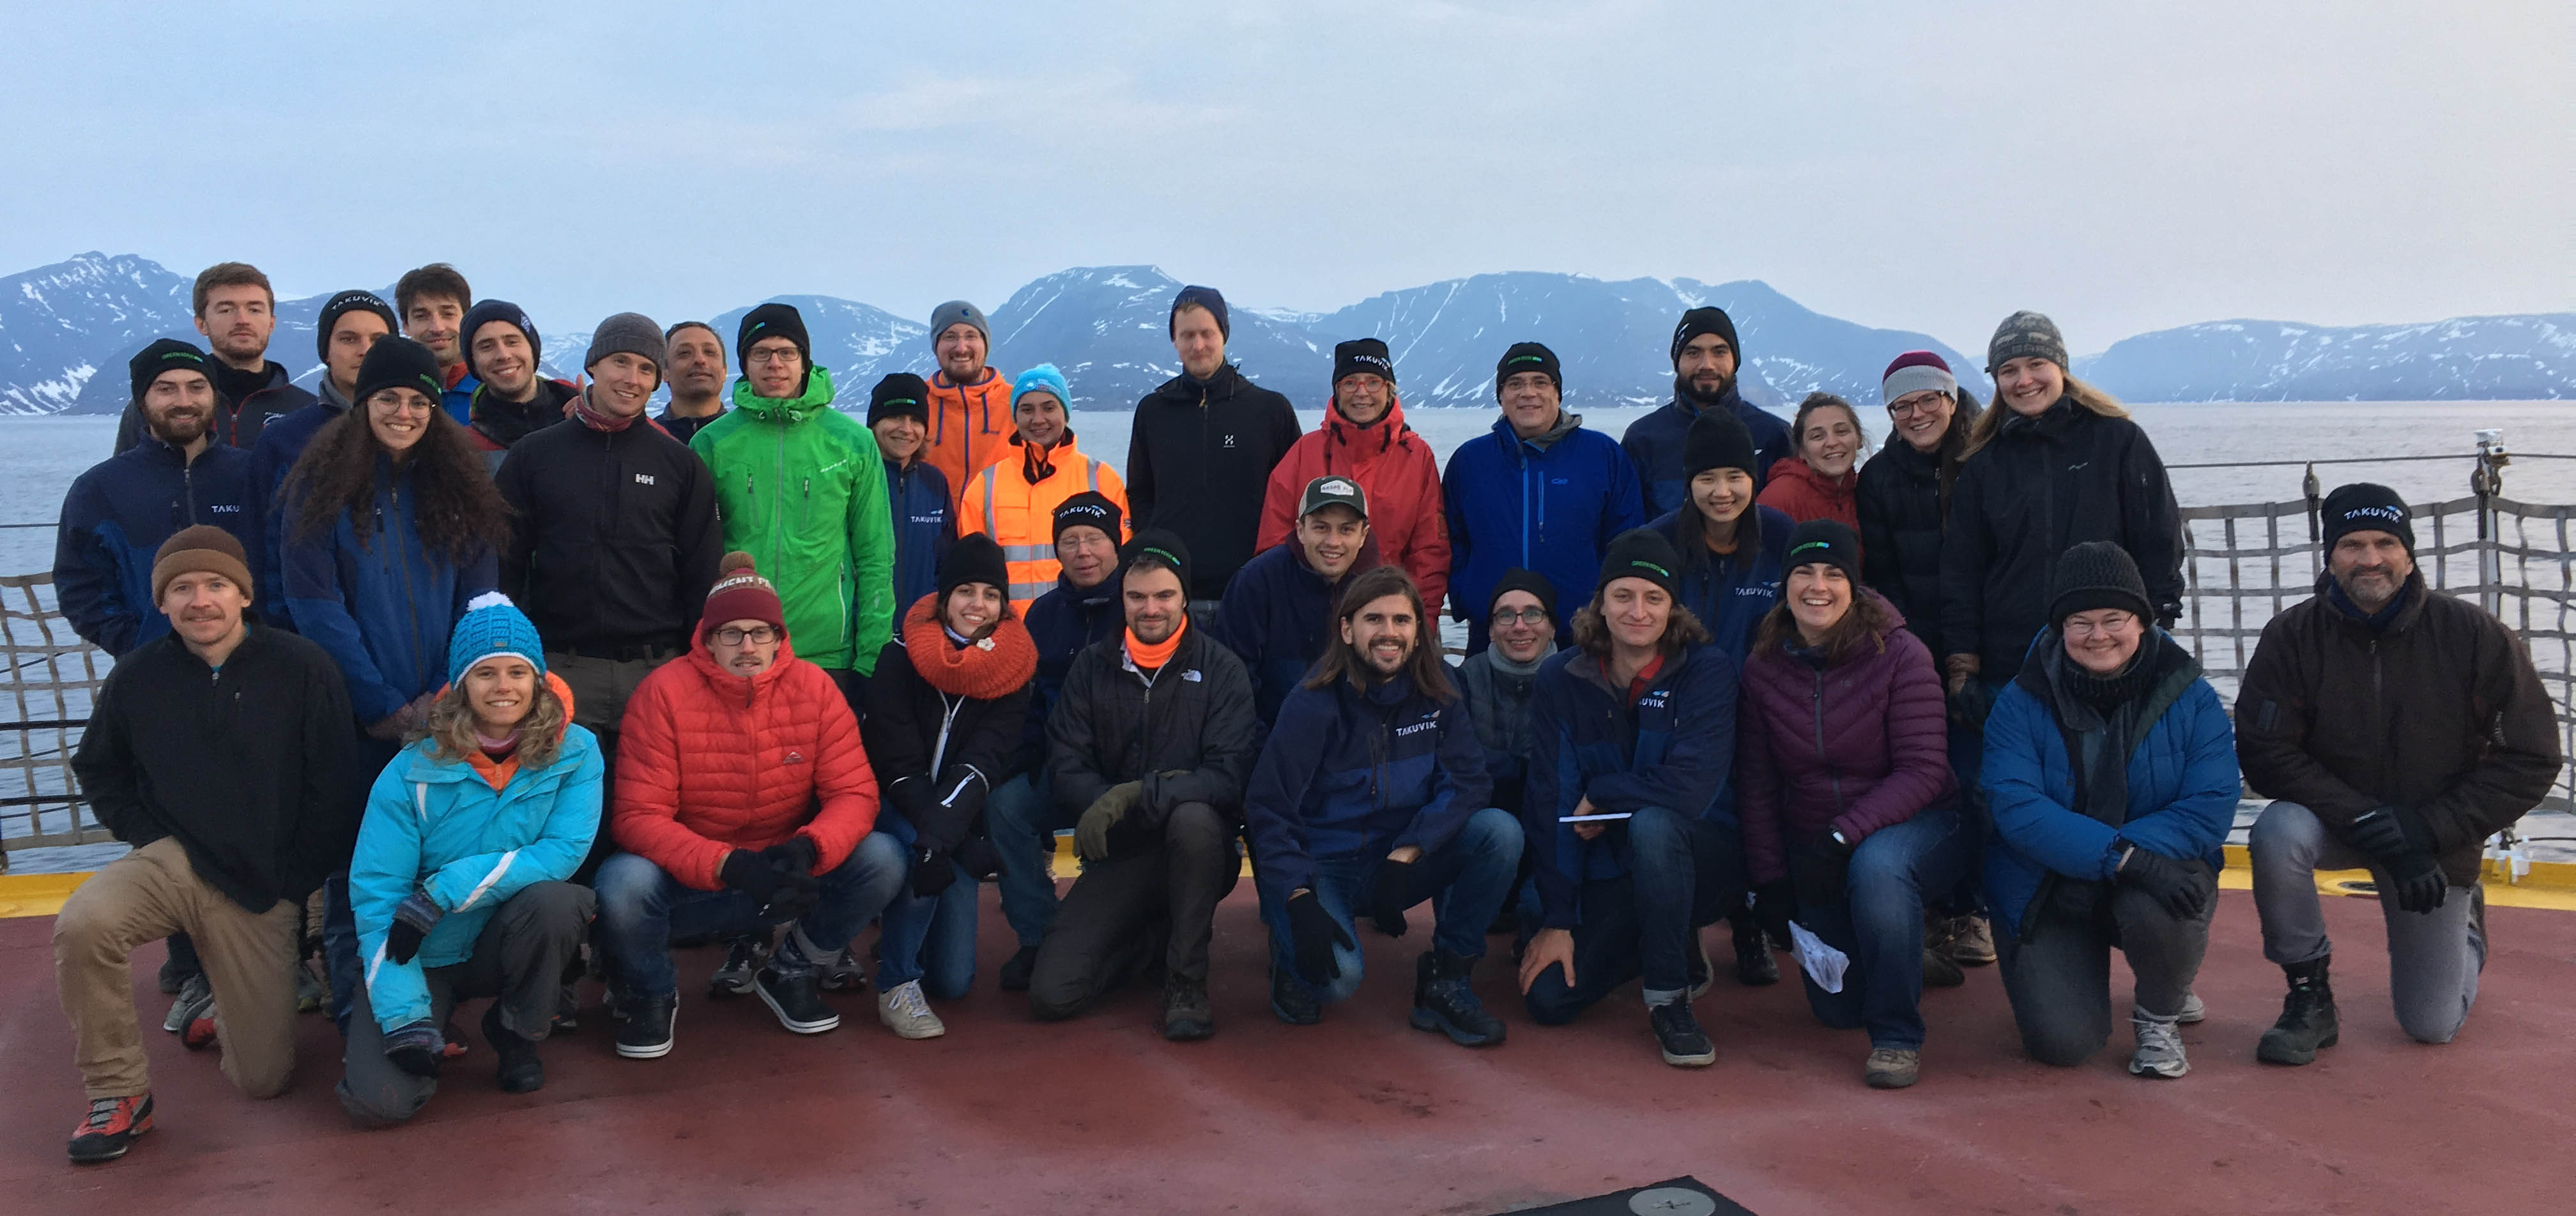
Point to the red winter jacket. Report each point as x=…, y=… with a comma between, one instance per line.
x=709, y=762
x=1798, y=491
x=1857, y=746
x=1398, y=475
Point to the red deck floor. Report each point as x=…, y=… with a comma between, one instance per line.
x=1362, y=1115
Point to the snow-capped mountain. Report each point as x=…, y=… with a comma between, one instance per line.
x=1108, y=329
x=858, y=342
x=2527, y=357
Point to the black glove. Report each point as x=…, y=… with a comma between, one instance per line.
x=2388, y=832
x=2418, y=881
x=1773, y=902
x=751, y=874
x=1386, y=897
x=2175, y=884
x=414, y=917
x=793, y=857
x=1970, y=705
x=931, y=872
x=979, y=858
x=1822, y=871
x=1315, y=933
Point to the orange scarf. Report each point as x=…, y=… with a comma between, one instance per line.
x=989, y=669
x=1155, y=656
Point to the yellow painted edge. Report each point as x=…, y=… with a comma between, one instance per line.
x=36, y=894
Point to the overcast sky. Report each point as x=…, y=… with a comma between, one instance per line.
x=1926, y=166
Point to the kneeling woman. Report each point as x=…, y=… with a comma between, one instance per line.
x=1850, y=810
x=945, y=709
x=459, y=882
x=2110, y=768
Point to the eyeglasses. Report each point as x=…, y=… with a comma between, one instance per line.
x=1899, y=409
x=771, y=356
x=2116, y=623
x=1526, y=616
x=757, y=635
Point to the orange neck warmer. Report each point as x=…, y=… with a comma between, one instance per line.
x=1143, y=655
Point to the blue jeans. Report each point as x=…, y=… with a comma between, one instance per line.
x=1466, y=879
x=931, y=940
x=641, y=907
x=1682, y=873
x=1014, y=816
x=1879, y=923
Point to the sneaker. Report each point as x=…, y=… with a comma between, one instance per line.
x=907, y=1013
x=1972, y=941
x=171, y=980
x=1186, y=1016
x=1754, y=966
x=743, y=960
x=1016, y=972
x=1941, y=971
x=2192, y=1010
x=1291, y=1001
x=1892, y=1067
x=2159, y=1047
x=196, y=999
x=2308, y=1023
x=311, y=990
x=521, y=1071
x=1445, y=1000
x=1678, y=1034
x=1702, y=972
x=455, y=1037
x=845, y=973
x=200, y=1033
x=798, y=1000
x=646, y=1032
x=110, y=1128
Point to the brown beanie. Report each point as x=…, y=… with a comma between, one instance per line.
x=204, y=547
x=741, y=594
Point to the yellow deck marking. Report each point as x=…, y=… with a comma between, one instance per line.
x=36, y=894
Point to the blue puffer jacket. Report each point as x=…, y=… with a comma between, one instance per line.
x=384, y=607
x=1674, y=748
x=1350, y=774
x=115, y=518
x=1726, y=594
x=924, y=527
x=1277, y=616
x=1551, y=508
x=2181, y=777
x=1654, y=445
x=1061, y=623
x=281, y=444
x=438, y=827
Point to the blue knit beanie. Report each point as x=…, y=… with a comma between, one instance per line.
x=1042, y=378
x=492, y=625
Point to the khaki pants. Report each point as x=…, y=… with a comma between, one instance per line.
x=249, y=957
x=600, y=689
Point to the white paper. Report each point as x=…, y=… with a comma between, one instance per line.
x=1821, y=962
x=1592, y=818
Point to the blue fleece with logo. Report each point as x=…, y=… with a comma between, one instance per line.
x=1673, y=748
x=1727, y=594
x=1351, y=773
x=115, y=518
x=1551, y=509
x=917, y=498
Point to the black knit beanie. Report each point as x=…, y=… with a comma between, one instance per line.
x=1829, y=541
x=166, y=355
x=975, y=558
x=398, y=362
x=1643, y=553
x=1527, y=357
x=772, y=321
x=342, y=305
x=1208, y=298
x=1089, y=509
x=1362, y=355
x=2366, y=507
x=1706, y=320
x=2097, y=574
x=486, y=312
x=901, y=395
x=1518, y=579
x=1717, y=439
x=1164, y=546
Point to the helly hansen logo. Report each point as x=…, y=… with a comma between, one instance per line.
x=1417, y=728
x=643, y=479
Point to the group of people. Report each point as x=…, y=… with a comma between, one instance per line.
x=470, y=683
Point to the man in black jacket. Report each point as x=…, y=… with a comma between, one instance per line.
x=1203, y=444
x=516, y=398
x=1152, y=739
x=222, y=752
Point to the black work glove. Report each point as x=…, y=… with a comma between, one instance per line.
x=1386, y=897
x=931, y=872
x=2418, y=882
x=793, y=857
x=1822, y=871
x=979, y=858
x=1314, y=933
x=414, y=917
x=751, y=874
x=1970, y=705
x=2175, y=884
x=2388, y=831
x=1773, y=902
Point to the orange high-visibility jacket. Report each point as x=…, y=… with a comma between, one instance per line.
x=970, y=430
x=1015, y=505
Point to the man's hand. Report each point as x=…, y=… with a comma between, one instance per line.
x=1387, y=891
x=2418, y=882
x=1313, y=933
x=2389, y=831
x=1588, y=831
x=1550, y=948
x=1091, y=832
x=2174, y=884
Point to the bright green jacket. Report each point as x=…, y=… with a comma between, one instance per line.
x=801, y=489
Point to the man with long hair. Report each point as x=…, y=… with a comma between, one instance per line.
x=1371, y=798
x=1634, y=736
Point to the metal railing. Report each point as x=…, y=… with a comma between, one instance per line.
x=52, y=676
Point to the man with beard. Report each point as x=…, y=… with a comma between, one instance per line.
x=118, y=513
x=1706, y=361
x=696, y=377
x=235, y=312
x=516, y=399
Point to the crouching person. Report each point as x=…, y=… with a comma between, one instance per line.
x=221, y=751
x=1151, y=739
x=945, y=709
x=460, y=882
x=2110, y=769
x=1637, y=721
x=744, y=801
x=2407, y=784
x=1370, y=798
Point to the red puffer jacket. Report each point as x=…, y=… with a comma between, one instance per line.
x=1798, y=491
x=709, y=762
x=1857, y=746
x=1396, y=472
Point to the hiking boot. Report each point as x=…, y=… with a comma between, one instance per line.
x=1445, y=1000
x=196, y=999
x=907, y=1013
x=1678, y=1034
x=2192, y=1010
x=1017, y=970
x=312, y=991
x=845, y=973
x=1754, y=966
x=1892, y=1067
x=1186, y=1016
x=646, y=1032
x=2308, y=1021
x=1702, y=972
x=1972, y=941
x=741, y=969
x=110, y=1128
x=521, y=1071
x=798, y=1000
x=1291, y=1001
x=1941, y=971
x=2159, y=1046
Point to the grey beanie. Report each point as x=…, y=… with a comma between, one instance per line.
x=628, y=333
x=2025, y=334
x=956, y=312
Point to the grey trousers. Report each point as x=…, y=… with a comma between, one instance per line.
x=2058, y=977
x=2433, y=957
x=519, y=958
x=1106, y=927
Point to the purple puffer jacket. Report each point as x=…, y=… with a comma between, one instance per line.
x=1857, y=747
